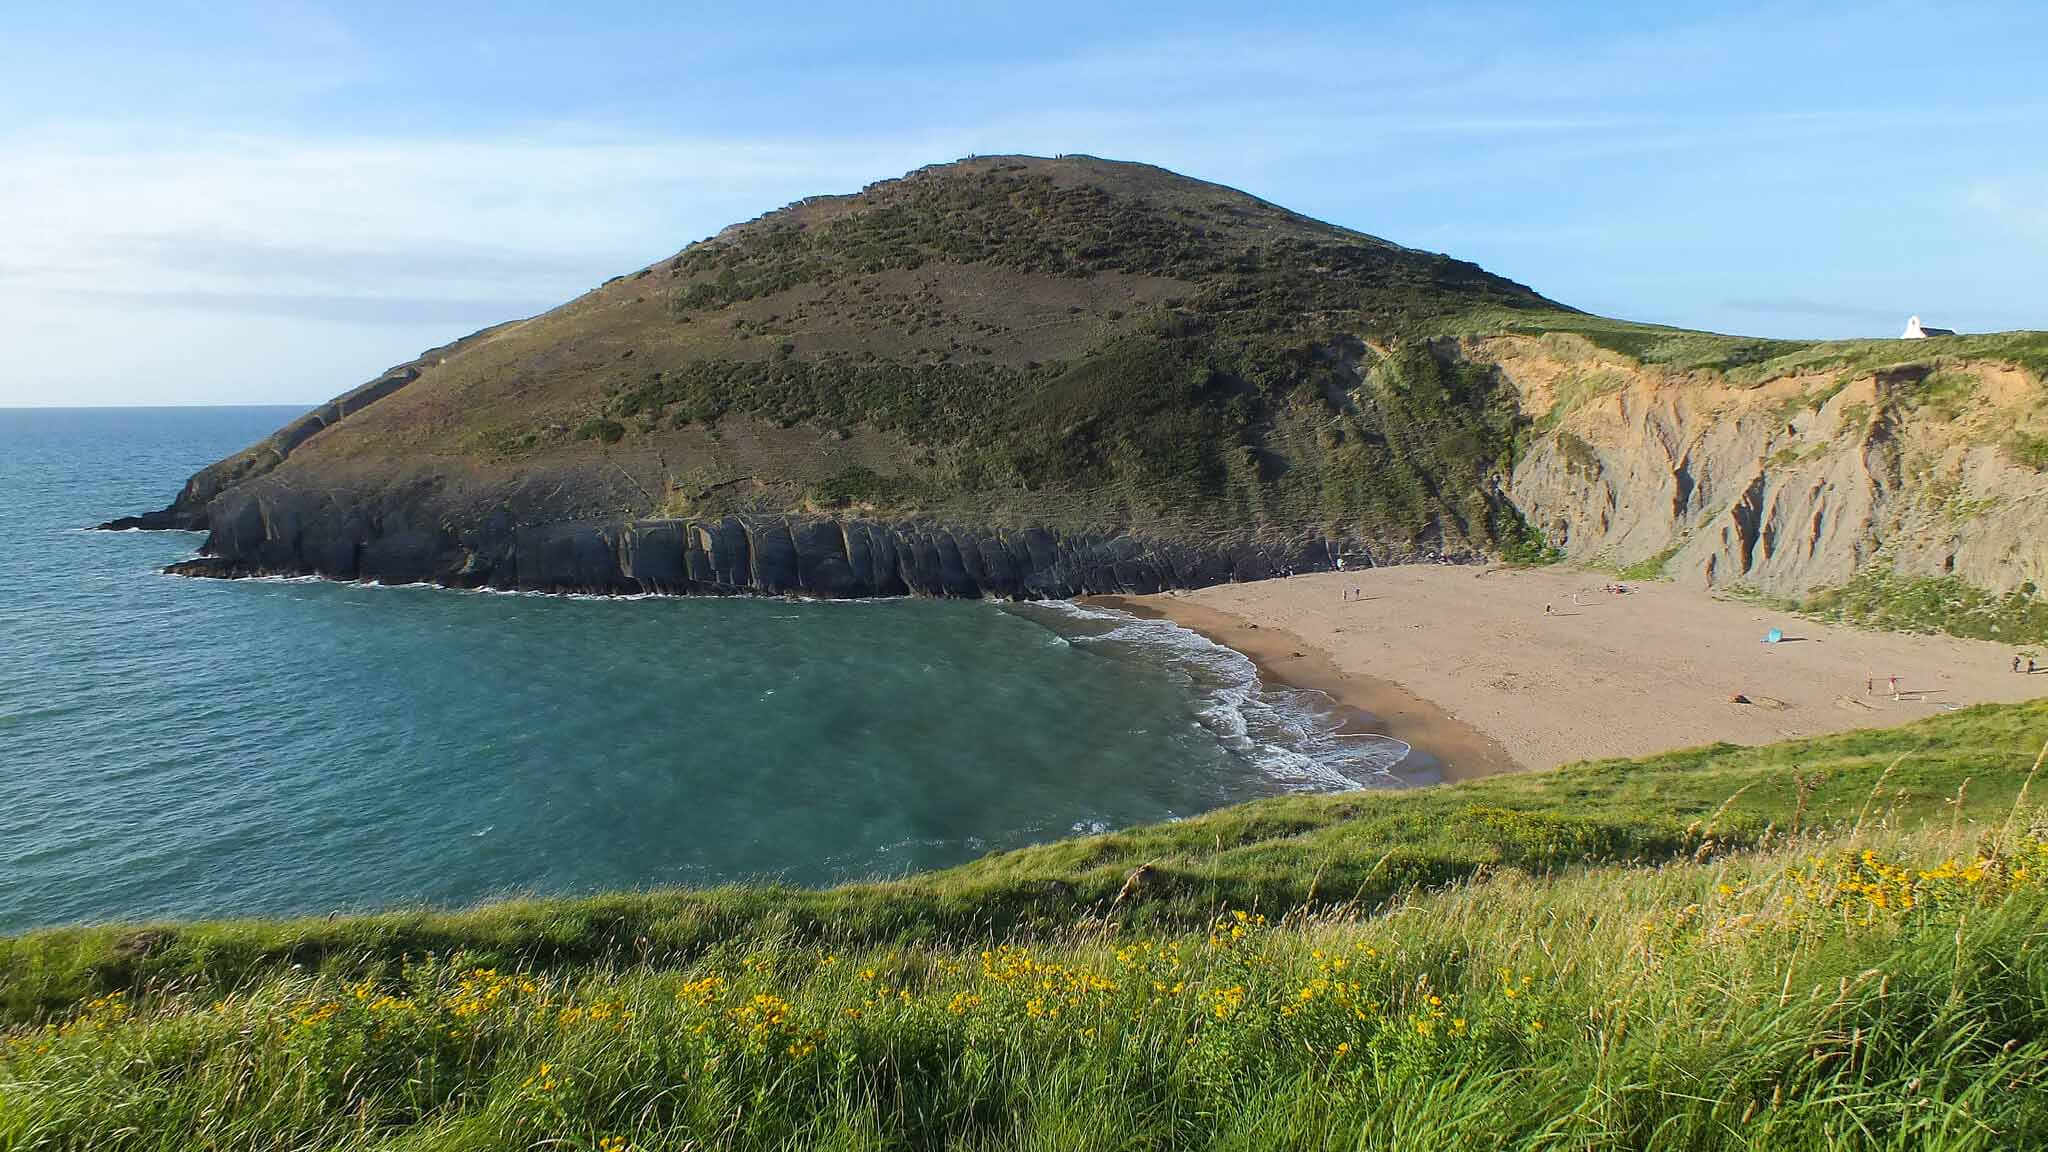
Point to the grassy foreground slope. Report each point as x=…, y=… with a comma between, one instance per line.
x=1827, y=943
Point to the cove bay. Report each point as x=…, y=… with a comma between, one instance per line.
x=179, y=747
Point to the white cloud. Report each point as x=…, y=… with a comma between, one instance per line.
x=189, y=213
x=129, y=263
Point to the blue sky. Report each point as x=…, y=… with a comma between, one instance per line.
x=227, y=203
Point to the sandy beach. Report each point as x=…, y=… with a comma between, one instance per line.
x=1496, y=668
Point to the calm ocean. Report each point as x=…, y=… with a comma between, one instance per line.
x=173, y=747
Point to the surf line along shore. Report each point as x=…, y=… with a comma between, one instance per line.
x=1444, y=748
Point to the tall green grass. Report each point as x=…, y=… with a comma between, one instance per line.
x=1777, y=998
x=1830, y=943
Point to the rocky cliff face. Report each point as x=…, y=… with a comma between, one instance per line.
x=773, y=555
x=545, y=532
x=1790, y=485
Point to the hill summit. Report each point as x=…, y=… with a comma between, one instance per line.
x=1007, y=375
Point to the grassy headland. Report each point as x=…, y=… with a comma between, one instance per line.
x=1828, y=943
x=1144, y=364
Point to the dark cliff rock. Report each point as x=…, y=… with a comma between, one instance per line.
x=273, y=533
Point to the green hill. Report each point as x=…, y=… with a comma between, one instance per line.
x=1075, y=344
x=1039, y=377
x=1831, y=943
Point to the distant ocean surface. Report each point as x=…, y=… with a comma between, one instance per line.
x=175, y=747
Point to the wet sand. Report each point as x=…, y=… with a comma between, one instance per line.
x=1466, y=663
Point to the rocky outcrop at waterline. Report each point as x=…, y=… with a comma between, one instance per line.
x=772, y=556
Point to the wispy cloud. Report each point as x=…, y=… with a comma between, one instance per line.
x=240, y=222
x=244, y=266
x=1666, y=163
x=373, y=310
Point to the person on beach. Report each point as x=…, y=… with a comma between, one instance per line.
x=1895, y=687
x=2030, y=666
x=1546, y=609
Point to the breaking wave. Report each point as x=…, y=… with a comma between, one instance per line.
x=1290, y=735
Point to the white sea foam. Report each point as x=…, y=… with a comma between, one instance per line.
x=484, y=590
x=251, y=579
x=1288, y=734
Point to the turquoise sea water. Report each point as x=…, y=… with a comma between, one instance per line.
x=175, y=747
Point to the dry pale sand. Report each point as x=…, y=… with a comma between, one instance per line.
x=1600, y=675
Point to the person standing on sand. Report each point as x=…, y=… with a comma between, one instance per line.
x=1895, y=687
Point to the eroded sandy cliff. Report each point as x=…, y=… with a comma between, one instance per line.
x=1790, y=483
